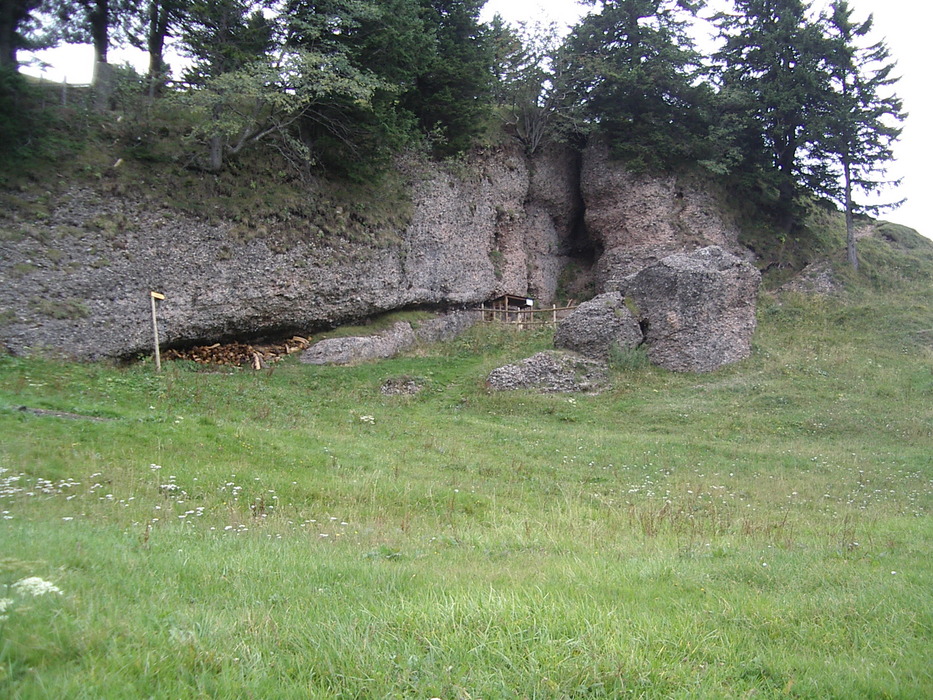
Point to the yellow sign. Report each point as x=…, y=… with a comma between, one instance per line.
x=156, y=295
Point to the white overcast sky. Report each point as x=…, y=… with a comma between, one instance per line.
x=903, y=23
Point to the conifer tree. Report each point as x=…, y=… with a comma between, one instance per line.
x=19, y=29
x=772, y=68
x=451, y=98
x=861, y=119
x=632, y=75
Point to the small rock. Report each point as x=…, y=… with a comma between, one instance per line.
x=552, y=372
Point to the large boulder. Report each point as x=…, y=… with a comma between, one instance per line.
x=350, y=350
x=698, y=309
x=598, y=325
x=551, y=372
x=388, y=343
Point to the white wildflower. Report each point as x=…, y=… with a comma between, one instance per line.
x=35, y=586
x=367, y=419
x=5, y=604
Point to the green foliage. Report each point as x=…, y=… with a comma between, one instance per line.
x=451, y=97
x=32, y=131
x=222, y=36
x=628, y=359
x=264, y=100
x=790, y=83
x=631, y=71
x=13, y=126
x=860, y=121
x=527, y=84
x=21, y=28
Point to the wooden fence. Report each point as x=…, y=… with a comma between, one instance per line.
x=525, y=318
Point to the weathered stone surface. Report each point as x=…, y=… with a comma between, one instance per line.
x=637, y=219
x=699, y=308
x=345, y=351
x=401, y=386
x=598, y=325
x=445, y=326
x=815, y=278
x=501, y=223
x=399, y=338
x=72, y=289
x=551, y=372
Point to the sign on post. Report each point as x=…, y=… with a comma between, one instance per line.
x=155, y=328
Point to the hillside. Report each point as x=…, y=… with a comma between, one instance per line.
x=108, y=209
x=764, y=529
x=303, y=531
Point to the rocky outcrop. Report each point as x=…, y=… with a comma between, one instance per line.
x=72, y=288
x=697, y=309
x=501, y=223
x=346, y=351
x=551, y=372
x=637, y=219
x=597, y=326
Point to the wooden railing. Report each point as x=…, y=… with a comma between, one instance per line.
x=525, y=318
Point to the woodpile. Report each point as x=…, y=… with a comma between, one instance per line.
x=239, y=354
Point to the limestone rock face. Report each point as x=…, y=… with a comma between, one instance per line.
x=595, y=326
x=698, y=308
x=637, y=219
x=81, y=292
x=551, y=372
x=498, y=223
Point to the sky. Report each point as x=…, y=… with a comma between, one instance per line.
x=904, y=24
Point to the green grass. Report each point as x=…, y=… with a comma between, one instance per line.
x=763, y=530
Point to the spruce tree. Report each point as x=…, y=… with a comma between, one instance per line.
x=771, y=69
x=451, y=98
x=632, y=72
x=861, y=118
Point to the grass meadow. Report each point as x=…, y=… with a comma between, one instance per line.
x=760, y=531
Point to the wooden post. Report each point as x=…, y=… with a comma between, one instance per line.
x=155, y=328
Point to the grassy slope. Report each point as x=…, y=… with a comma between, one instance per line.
x=763, y=530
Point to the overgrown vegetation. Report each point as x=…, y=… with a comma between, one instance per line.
x=140, y=152
x=762, y=530
x=795, y=103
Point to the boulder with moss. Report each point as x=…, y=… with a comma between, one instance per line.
x=597, y=326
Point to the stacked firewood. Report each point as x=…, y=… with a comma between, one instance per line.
x=239, y=354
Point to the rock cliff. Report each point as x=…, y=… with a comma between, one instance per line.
x=500, y=223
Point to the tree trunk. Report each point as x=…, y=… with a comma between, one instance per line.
x=8, y=34
x=851, y=252
x=216, y=161
x=155, y=43
x=100, y=36
x=103, y=85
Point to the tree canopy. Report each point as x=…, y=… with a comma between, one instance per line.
x=793, y=103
